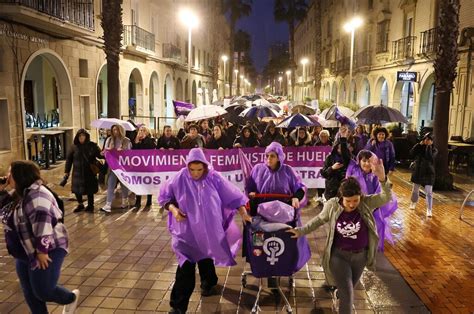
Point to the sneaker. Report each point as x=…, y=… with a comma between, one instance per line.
x=429, y=213
x=412, y=206
x=106, y=208
x=78, y=208
x=71, y=307
x=124, y=203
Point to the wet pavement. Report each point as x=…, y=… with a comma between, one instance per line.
x=123, y=263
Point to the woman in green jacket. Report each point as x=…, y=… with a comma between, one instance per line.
x=352, y=240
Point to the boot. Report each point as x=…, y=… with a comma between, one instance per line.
x=78, y=208
x=138, y=202
x=148, y=201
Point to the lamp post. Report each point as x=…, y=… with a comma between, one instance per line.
x=224, y=59
x=241, y=83
x=288, y=73
x=303, y=61
x=189, y=19
x=350, y=27
x=279, y=81
x=236, y=75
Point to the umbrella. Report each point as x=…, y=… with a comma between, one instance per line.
x=218, y=103
x=303, y=109
x=329, y=113
x=297, y=120
x=258, y=112
x=205, y=112
x=378, y=114
x=233, y=112
x=107, y=123
x=261, y=102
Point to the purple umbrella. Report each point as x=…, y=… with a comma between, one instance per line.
x=298, y=120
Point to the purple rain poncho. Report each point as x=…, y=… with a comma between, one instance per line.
x=385, y=151
x=284, y=180
x=369, y=184
x=209, y=203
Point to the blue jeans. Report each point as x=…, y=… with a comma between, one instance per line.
x=41, y=285
x=111, y=183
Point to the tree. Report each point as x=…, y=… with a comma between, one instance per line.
x=445, y=66
x=291, y=12
x=242, y=44
x=236, y=9
x=113, y=29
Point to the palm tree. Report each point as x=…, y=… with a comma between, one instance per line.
x=241, y=45
x=445, y=66
x=291, y=12
x=318, y=55
x=113, y=29
x=236, y=9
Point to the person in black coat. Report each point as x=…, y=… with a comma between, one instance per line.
x=84, y=182
x=335, y=166
x=167, y=140
x=423, y=171
x=143, y=140
x=219, y=139
x=272, y=134
x=247, y=138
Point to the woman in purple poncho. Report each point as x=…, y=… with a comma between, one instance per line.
x=276, y=177
x=201, y=205
x=383, y=148
x=370, y=184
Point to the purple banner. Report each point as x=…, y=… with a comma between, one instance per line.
x=143, y=171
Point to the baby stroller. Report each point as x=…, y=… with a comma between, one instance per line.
x=272, y=252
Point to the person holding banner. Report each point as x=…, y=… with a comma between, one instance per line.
x=201, y=205
x=219, y=139
x=117, y=141
x=143, y=140
x=167, y=140
x=352, y=239
x=247, y=138
x=193, y=138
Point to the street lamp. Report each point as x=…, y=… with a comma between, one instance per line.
x=350, y=27
x=189, y=19
x=288, y=73
x=240, y=87
x=279, y=81
x=304, y=61
x=224, y=58
x=236, y=75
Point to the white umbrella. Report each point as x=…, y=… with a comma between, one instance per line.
x=260, y=102
x=205, y=112
x=107, y=123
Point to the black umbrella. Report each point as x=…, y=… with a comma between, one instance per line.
x=379, y=114
x=233, y=112
x=259, y=112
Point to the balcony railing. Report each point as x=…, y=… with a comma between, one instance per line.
x=362, y=59
x=343, y=64
x=136, y=36
x=429, y=41
x=77, y=12
x=171, y=51
x=403, y=48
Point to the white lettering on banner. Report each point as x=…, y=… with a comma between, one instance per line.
x=225, y=160
x=151, y=160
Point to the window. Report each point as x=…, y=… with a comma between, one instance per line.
x=83, y=70
x=5, y=142
x=382, y=36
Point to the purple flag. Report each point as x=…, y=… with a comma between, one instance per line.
x=182, y=108
x=343, y=119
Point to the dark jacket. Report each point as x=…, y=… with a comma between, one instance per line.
x=251, y=141
x=223, y=142
x=168, y=142
x=268, y=138
x=334, y=177
x=424, y=171
x=147, y=143
x=187, y=142
x=79, y=159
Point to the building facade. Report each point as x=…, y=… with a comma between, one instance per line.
x=394, y=49
x=53, y=70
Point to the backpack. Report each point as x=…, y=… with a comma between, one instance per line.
x=59, y=201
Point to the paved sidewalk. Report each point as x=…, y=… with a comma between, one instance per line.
x=123, y=263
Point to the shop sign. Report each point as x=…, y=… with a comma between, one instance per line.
x=406, y=76
x=5, y=30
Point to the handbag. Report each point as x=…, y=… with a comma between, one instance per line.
x=412, y=165
x=96, y=166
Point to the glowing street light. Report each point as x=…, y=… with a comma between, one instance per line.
x=288, y=73
x=224, y=58
x=350, y=27
x=189, y=19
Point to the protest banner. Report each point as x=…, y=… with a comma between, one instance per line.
x=144, y=171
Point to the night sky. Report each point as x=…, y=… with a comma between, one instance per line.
x=264, y=30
